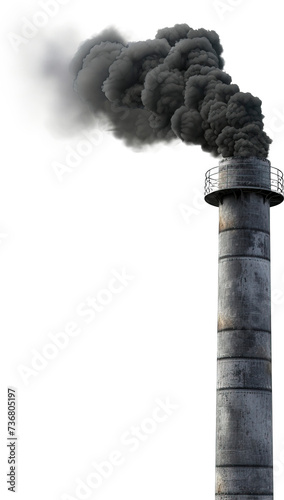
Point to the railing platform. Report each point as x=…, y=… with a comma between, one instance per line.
x=244, y=174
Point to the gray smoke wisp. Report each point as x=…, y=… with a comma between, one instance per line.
x=169, y=87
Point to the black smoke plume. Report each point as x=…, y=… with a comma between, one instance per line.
x=172, y=86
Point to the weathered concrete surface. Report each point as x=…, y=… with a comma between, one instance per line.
x=239, y=480
x=254, y=215
x=244, y=294
x=249, y=172
x=240, y=373
x=244, y=429
x=244, y=458
x=244, y=343
x=244, y=497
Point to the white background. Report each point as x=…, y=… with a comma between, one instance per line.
x=120, y=209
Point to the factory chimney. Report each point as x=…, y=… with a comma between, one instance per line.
x=244, y=189
x=173, y=86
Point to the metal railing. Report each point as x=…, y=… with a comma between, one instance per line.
x=229, y=177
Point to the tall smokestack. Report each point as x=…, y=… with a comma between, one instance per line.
x=244, y=189
x=173, y=87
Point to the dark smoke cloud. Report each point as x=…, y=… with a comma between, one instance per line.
x=169, y=87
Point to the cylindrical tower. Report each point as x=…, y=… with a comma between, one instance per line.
x=244, y=189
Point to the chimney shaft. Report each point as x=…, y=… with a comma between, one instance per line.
x=244, y=190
